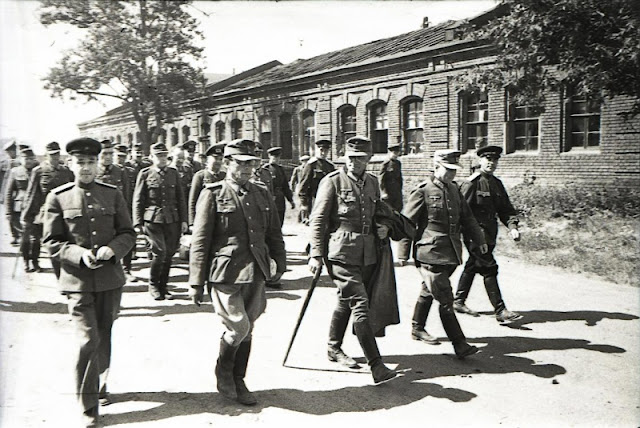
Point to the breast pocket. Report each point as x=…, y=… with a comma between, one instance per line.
x=154, y=189
x=346, y=202
x=224, y=210
x=73, y=218
x=435, y=207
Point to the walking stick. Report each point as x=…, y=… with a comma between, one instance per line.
x=316, y=277
x=15, y=266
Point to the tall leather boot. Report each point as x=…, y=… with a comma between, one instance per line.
x=462, y=292
x=420, y=314
x=24, y=250
x=503, y=315
x=244, y=396
x=454, y=333
x=224, y=370
x=367, y=340
x=35, y=254
x=337, y=329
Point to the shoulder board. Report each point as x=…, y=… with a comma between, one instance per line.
x=423, y=183
x=312, y=160
x=212, y=186
x=333, y=173
x=172, y=167
x=110, y=186
x=145, y=169
x=63, y=188
x=330, y=163
x=473, y=176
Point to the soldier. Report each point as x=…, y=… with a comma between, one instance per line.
x=441, y=213
x=88, y=230
x=487, y=199
x=120, y=160
x=316, y=169
x=11, y=149
x=281, y=189
x=160, y=209
x=342, y=237
x=44, y=178
x=15, y=199
x=297, y=173
x=184, y=168
x=261, y=174
x=189, y=148
x=211, y=174
x=137, y=161
x=236, y=231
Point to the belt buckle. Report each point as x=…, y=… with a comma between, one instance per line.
x=365, y=229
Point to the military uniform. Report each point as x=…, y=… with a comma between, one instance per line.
x=441, y=214
x=296, y=174
x=160, y=207
x=488, y=200
x=342, y=234
x=15, y=198
x=6, y=164
x=391, y=183
x=185, y=175
x=235, y=235
x=281, y=189
x=314, y=171
x=81, y=218
x=116, y=176
x=200, y=180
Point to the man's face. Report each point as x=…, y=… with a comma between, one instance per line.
x=239, y=171
x=444, y=174
x=178, y=155
x=356, y=165
x=106, y=157
x=12, y=153
x=120, y=158
x=85, y=167
x=160, y=160
x=28, y=161
x=136, y=155
x=53, y=159
x=488, y=164
x=214, y=162
x=322, y=152
x=393, y=154
x=274, y=158
x=189, y=153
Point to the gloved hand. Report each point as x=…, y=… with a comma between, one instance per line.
x=382, y=231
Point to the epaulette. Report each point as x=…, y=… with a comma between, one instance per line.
x=101, y=183
x=146, y=168
x=63, y=188
x=212, y=186
x=423, y=183
x=333, y=173
x=473, y=176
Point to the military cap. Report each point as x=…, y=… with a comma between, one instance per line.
x=83, y=146
x=393, y=146
x=26, y=151
x=106, y=144
x=274, y=151
x=158, y=148
x=447, y=158
x=304, y=158
x=358, y=146
x=258, y=146
x=489, y=151
x=137, y=145
x=52, y=147
x=216, y=149
x=188, y=145
x=325, y=144
x=240, y=149
x=11, y=145
x=121, y=148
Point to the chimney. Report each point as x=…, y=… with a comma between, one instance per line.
x=425, y=22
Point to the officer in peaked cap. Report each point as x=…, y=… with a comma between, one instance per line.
x=44, y=178
x=343, y=237
x=261, y=174
x=15, y=200
x=281, y=189
x=11, y=149
x=440, y=214
x=211, y=174
x=488, y=200
x=237, y=218
x=160, y=210
x=314, y=171
x=189, y=148
x=87, y=228
x=295, y=177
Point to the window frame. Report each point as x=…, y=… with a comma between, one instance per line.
x=413, y=144
x=592, y=110
x=379, y=134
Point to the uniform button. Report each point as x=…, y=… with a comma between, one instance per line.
x=89, y=206
x=88, y=193
x=95, y=246
x=94, y=233
x=93, y=219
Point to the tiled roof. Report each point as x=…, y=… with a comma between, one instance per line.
x=378, y=49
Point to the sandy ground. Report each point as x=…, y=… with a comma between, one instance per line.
x=571, y=361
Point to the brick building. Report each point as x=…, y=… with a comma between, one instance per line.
x=402, y=89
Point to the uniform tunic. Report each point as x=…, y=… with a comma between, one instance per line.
x=44, y=179
x=235, y=234
x=116, y=176
x=391, y=183
x=15, y=197
x=200, y=180
x=314, y=171
x=281, y=189
x=79, y=217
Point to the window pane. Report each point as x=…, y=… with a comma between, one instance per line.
x=380, y=119
x=265, y=124
x=594, y=123
x=577, y=140
x=594, y=139
x=579, y=107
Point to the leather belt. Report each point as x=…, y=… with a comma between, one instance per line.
x=450, y=230
x=365, y=229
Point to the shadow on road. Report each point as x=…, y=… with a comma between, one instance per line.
x=33, y=307
x=591, y=318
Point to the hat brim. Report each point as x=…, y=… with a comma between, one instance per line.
x=450, y=165
x=354, y=153
x=244, y=157
x=160, y=152
x=52, y=152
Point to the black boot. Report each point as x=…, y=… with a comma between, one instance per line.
x=367, y=340
x=493, y=291
x=337, y=328
x=224, y=370
x=464, y=287
x=244, y=396
x=454, y=333
x=420, y=314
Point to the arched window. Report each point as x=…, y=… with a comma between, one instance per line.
x=174, y=137
x=118, y=139
x=286, y=136
x=236, y=129
x=186, y=132
x=346, y=127
x=205, y=129
x=163, y=136
x=379, y=127
x=474, y=120
x=219, y=131
x=308, y=130
x=265, y=132
x=413, y=120
x=130, y=139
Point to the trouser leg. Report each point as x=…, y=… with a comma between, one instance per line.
x=339, y=322
x=244, y=396
x=107, y=309
x=493, y=291
x=158, y=248
x=172, y=242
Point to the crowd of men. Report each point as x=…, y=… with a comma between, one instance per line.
x=89, y=213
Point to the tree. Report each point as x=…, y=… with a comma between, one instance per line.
x=591, y=47
x=142, y=52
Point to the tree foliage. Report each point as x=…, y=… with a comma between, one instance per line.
x=142, y=52
x=591, y=47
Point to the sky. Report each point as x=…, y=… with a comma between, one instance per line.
x=238, y=36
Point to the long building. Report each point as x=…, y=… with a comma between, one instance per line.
x=402, y=89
